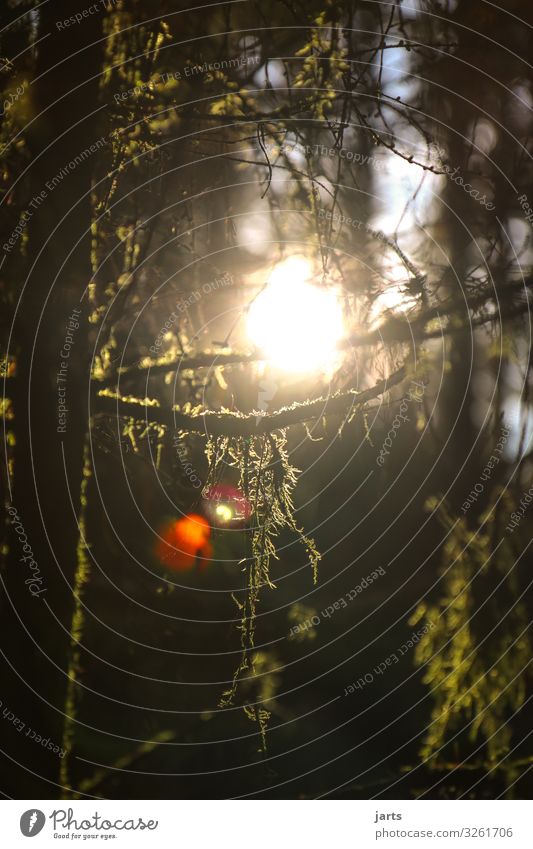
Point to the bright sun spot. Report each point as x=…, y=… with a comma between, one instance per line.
x=295, y=323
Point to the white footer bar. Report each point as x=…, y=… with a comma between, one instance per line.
x=268, y=824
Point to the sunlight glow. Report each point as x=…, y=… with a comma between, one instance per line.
x=295, y=323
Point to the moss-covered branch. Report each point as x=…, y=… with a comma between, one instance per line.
x=230, y=423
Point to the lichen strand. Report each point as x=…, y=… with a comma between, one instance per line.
x=82, y=576
x=267, y=479
x=474, y=663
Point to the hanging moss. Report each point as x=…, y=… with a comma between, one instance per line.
x=475, y=669
x=81, y=579
x=267, y=480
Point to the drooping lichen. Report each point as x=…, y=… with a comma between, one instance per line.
x=474, y=657
x=81, y=579
x=267, y=479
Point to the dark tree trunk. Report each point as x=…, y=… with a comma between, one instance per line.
x=48, y=463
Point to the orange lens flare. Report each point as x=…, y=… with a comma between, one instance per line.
x=184, y=540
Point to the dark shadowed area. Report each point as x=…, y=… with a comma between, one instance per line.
x=265, y=349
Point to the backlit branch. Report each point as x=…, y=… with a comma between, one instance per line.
x=229, y=423
x=396, y=330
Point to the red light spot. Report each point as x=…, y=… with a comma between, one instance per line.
x=231, y=496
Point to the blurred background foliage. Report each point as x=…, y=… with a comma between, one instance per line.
x=341, y=134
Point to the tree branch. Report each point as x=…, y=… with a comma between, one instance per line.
x=394, y=331
x=229, y=423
